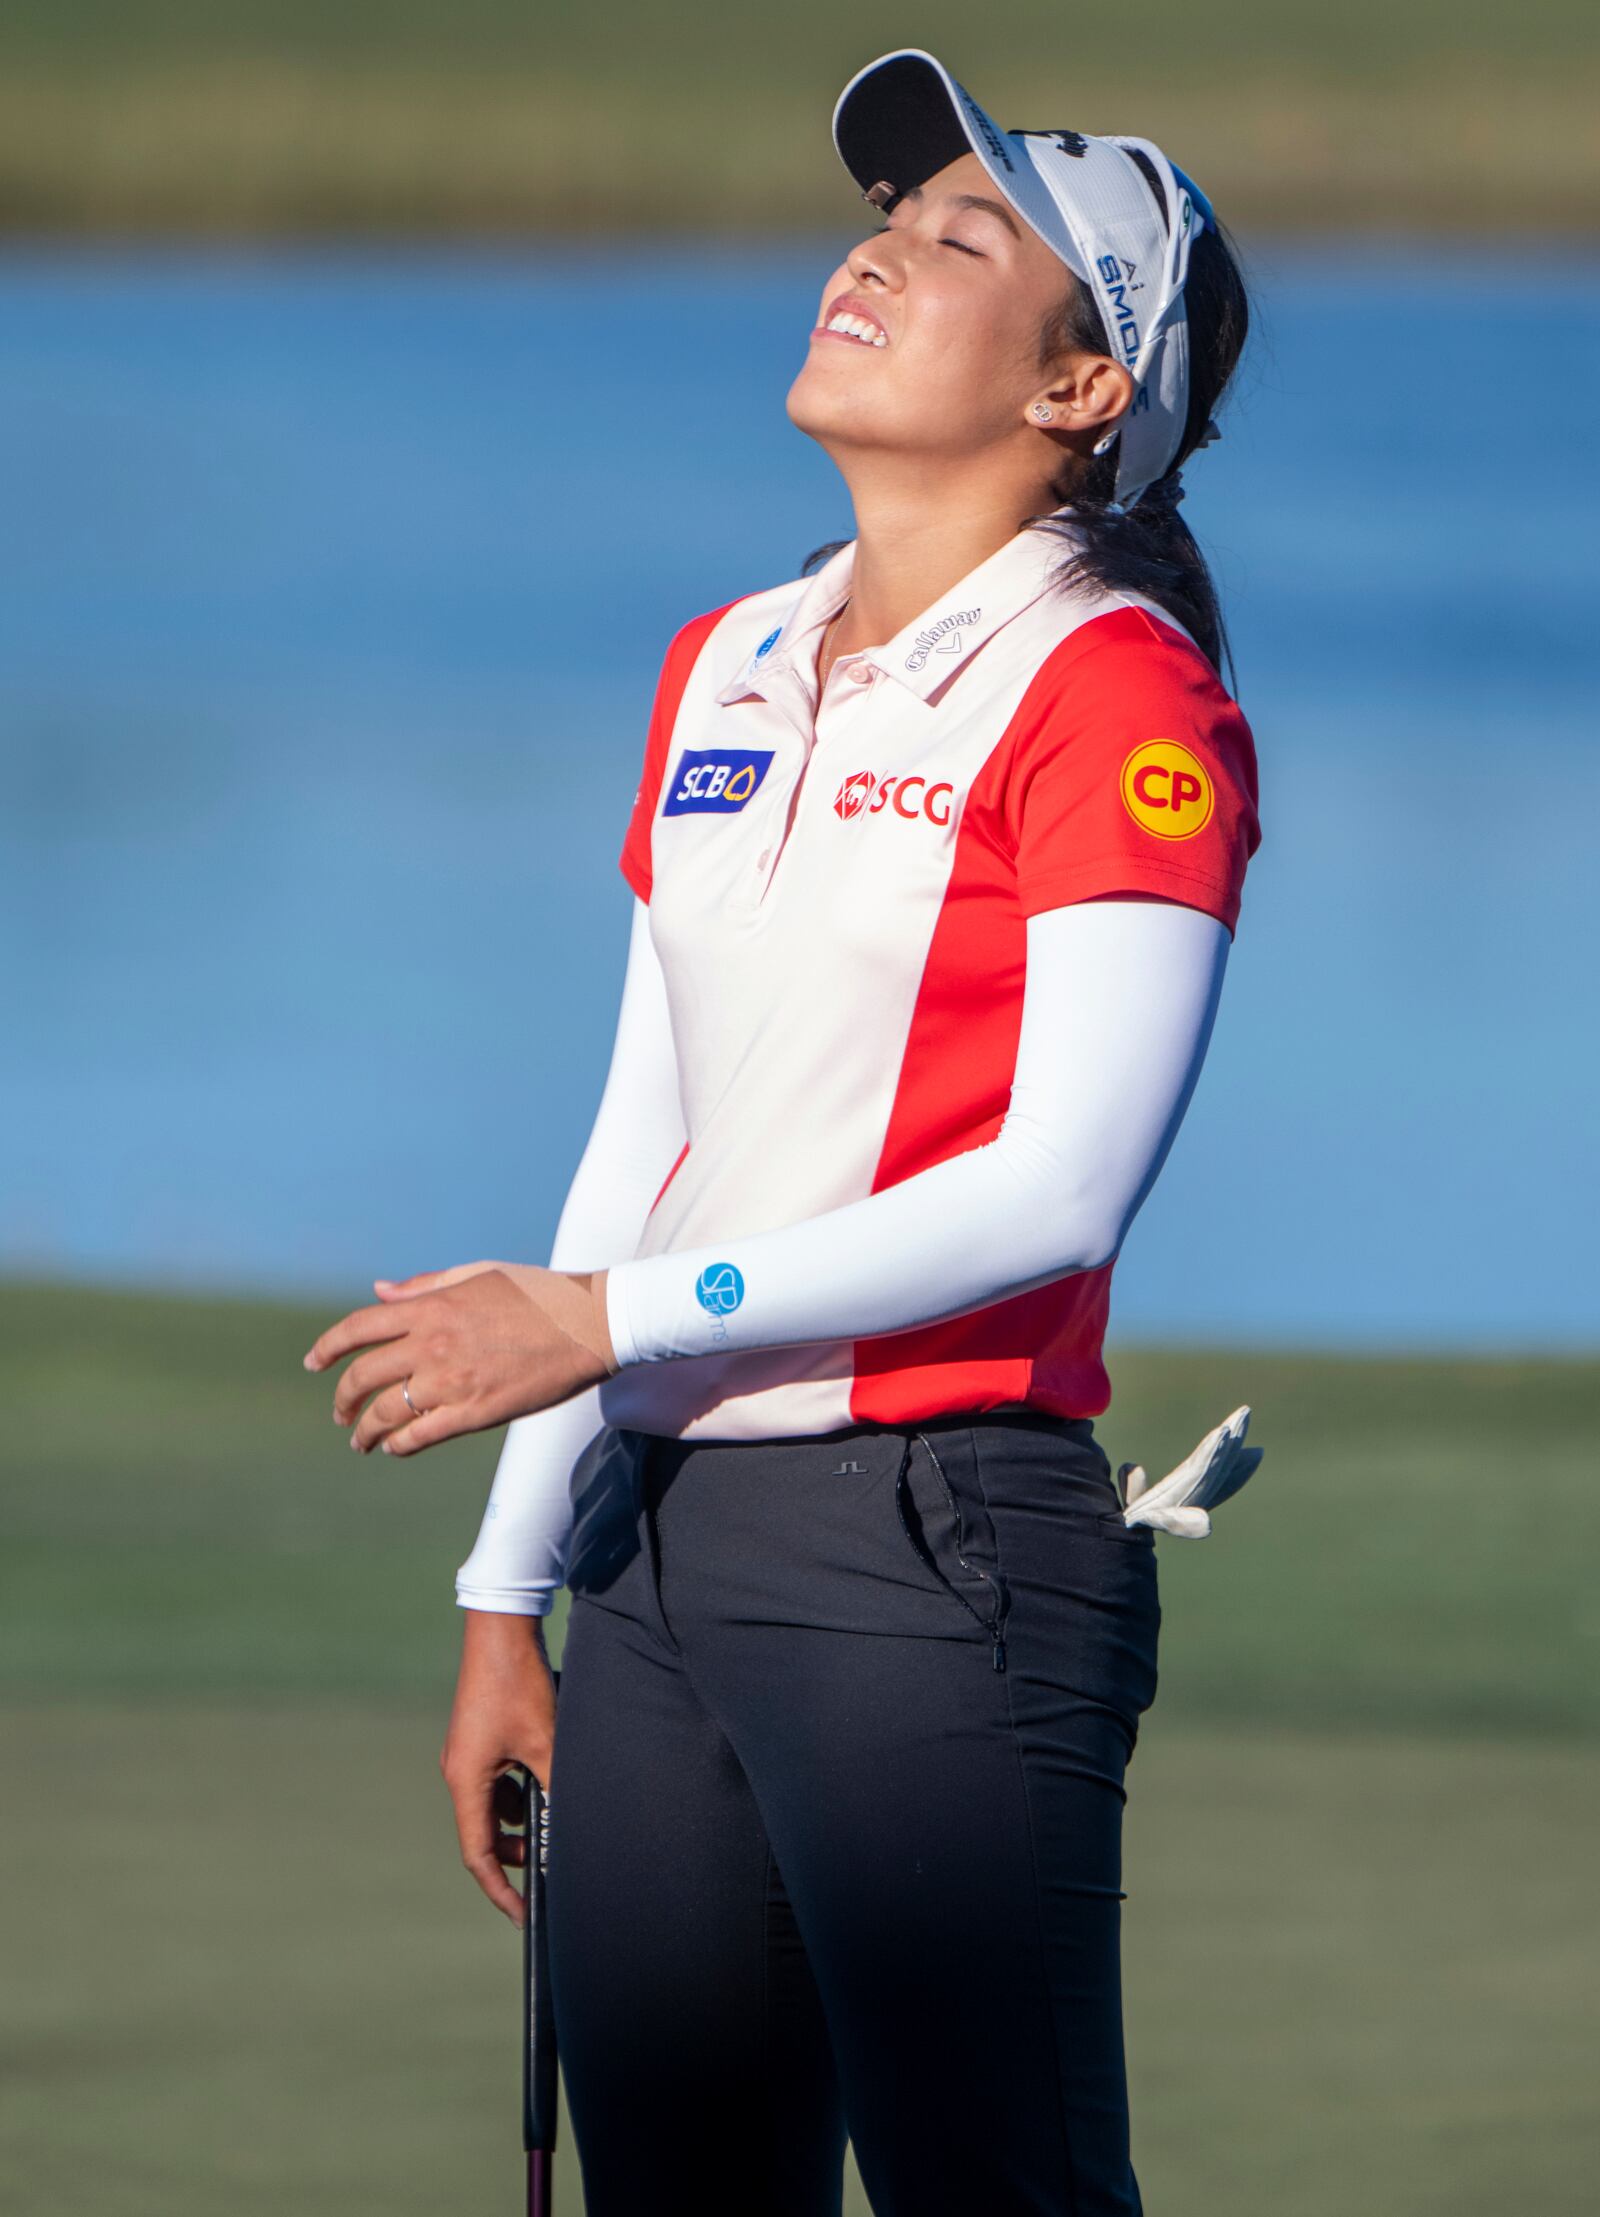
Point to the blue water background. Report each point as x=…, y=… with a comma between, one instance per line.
x=332, y=592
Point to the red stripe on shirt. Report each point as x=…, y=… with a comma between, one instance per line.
x=676, y=670
x=1045, y=824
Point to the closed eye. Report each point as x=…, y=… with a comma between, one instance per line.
x=959, y=244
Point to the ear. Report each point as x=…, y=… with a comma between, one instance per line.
x=1088, y=393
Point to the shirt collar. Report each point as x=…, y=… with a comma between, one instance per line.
x=783, y=668
x=929, y=651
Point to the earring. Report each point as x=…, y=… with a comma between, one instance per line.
x=1043, y=413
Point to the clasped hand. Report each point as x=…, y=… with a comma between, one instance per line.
x=475, y=1346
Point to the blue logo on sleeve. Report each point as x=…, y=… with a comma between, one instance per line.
x=715, y=781
x=769, y=642
x=719, y=1288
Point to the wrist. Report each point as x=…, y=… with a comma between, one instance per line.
x=605, y=1339
x=502, y=1633
x=619, y=1329
x=575, y=1301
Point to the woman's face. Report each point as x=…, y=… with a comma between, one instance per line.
x=927, y=338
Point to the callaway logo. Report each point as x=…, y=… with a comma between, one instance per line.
x=865, y=794
x=943, y=637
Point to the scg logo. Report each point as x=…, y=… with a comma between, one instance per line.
x=910, y=797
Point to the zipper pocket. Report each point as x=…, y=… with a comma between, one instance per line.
x=994, y=1627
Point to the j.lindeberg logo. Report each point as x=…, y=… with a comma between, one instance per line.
x=943, y=637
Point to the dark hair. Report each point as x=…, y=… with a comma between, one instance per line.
x=1149, y=549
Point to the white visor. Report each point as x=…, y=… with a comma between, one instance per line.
x=904, y=117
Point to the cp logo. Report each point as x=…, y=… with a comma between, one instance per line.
x=853, y=796
x=1167, y=790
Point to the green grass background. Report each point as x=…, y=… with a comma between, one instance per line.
x=244, y=1971
x=285, y=117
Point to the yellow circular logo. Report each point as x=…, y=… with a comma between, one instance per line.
x=1167, y=790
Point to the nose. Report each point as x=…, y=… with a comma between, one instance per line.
x=874, y=261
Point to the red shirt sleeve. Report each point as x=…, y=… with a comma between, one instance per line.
x=634, y=860
x=1132, y=772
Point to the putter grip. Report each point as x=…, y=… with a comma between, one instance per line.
x=539, y=2072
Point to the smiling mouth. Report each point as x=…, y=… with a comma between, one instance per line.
x=842, y=324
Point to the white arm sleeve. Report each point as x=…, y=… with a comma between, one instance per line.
x=521, y=1553
x=1117, y=1014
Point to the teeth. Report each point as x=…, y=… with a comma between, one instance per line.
x=857, y=327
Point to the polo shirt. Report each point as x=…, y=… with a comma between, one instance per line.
x=839, y=895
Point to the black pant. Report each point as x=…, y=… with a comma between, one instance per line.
x=836, y=1820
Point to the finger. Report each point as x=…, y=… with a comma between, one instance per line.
x=444, y=1423
x=511, y=1850
x=482, y=1861
x=470, y=1799
x=368, y=1374
x=485, y=1868
x=379, y=1418
x=361, y=1328
x=509, y=1799
x=406, y=1289
x=427, y=1281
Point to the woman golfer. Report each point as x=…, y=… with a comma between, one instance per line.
x=936, y=859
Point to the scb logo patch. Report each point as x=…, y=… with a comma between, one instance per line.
x=1167, y=790
x=715, y=781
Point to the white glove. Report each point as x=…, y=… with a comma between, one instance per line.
x=1215, y=1469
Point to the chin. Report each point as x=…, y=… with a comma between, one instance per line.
x=803, y=408
x=824, y=408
